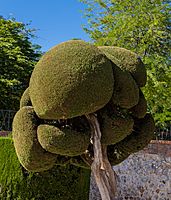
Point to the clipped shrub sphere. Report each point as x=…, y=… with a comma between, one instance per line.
x=72, y=79
x=62, y=141
x=140, y=109
x=116, y=129
x=127, y=61
x=125, y=92
x=115, y=125
x=25, y=99
x=30, y=153
x=143, y=132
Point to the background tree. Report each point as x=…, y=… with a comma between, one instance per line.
x=144, y=27
x=17, y=58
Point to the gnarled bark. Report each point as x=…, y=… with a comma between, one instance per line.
x=101, y=168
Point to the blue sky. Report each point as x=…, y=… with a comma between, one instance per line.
x=56, y=20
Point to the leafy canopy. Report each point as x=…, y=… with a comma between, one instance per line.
x=17, y=58
x=143, y=26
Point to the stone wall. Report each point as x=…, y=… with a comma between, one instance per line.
x=145, y=175
x=4, y=133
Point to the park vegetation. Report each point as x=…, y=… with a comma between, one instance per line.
x=143, y=27
x=18, y=56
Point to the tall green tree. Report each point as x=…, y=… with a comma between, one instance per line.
x=143, y=26
x=17, y=58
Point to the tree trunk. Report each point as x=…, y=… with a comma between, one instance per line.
x=101, y=168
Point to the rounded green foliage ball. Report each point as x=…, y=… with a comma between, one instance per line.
x=115, y=124
x=25, y=99
x=127, y=61
x=140, y=109
x=125, y=92
x=64, y=141
x=143, y=132
x=30, y=153
x=72, y=79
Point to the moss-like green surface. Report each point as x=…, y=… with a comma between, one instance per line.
x=30, y=153
x=140, y=109
x=127, y=61
x=59, y=183
x=115, y=124
x=64, y=142
x=25, y=99
x=72, y=79
x=125, y=92
x=142, y=134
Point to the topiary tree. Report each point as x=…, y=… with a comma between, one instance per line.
x=83, y=107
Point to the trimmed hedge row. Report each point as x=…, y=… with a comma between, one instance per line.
x=61, y=183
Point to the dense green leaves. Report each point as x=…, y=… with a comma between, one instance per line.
x=143, y=26
x=17, y=59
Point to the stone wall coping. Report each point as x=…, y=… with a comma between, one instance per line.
x=158, y=147
x=160, y=142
